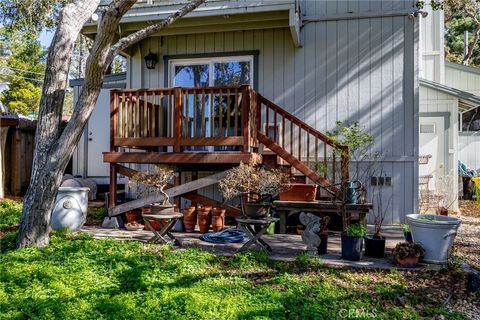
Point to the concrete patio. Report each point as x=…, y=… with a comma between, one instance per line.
x=285, y=246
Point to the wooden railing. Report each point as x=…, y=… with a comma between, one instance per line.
x=182, y=118
x=321, y=158
x=223, y=119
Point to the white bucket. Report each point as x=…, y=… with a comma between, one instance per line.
x=435, y=236
x=70, y=209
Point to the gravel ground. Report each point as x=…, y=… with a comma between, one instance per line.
x=467, y=242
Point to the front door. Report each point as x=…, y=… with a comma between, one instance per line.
x=210, y=72
x=433, y=142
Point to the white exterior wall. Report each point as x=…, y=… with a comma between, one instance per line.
x=434, y=102
x=349, y=69
x=432, y=46
x=469, y=146
x=463, y=78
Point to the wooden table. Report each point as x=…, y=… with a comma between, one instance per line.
x=159, y=236
x=288, y=208
x=255, y=236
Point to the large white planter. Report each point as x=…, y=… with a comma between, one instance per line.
x=435, y=236
x=70, y=209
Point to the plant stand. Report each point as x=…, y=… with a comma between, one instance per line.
x=255, y=237
x=159, y=236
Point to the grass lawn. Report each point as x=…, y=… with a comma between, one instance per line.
x=77, y=277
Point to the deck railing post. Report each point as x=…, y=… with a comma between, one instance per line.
x=246, y=121
x=177, y=117
x=113, y=118
x=112, y=188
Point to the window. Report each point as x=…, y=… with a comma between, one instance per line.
x=427, y=128
x=204, y=72
x=211, y=72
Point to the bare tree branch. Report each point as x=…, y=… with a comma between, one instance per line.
x=144, y=33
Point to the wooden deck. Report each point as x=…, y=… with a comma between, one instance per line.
x=211, y=126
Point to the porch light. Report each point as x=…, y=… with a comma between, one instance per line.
x=151, y=60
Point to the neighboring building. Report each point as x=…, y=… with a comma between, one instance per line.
x=320, y=61
x=448, y=93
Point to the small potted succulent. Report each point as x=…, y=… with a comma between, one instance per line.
x=157, y=180
x=352, y=241
x=255, y=186
x=408, y=254
x=323, y=234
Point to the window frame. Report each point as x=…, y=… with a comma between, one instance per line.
x=211, y=65
x=253, y=57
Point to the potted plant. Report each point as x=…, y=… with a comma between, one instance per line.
x=407, y=254
x=406, y=233
x=352, y=241
x=157, y=180
x=375, y=243
x=435, y=234
x=323, y=234
x=255, y=186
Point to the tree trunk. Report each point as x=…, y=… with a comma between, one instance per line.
x=46, y=173
x=471, y=47
x=52, y=152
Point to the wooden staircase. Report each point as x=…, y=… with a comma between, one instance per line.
x=217, y=125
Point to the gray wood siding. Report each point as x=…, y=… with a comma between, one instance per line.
x=362, y=69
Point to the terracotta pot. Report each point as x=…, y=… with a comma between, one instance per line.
x=204, y=219
x=442, y=212
x=218, y=222
x=299, y=192
x=408, y=262
x=133, y=216
x=158, y=208
x=190, y=218
x=218, y=212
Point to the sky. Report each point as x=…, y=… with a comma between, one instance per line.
x=46, y=38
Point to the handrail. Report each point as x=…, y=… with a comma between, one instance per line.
x=227, y=116
x=302, y=124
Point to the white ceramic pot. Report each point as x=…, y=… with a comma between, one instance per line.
x=70, y=209
x=435, y=234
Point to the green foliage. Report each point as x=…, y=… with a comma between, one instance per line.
x=354, y=136
x=9, y=213
x=77, y=277
x=97, y=213
x=356, y=230
x=23, y=68
x=405, y=228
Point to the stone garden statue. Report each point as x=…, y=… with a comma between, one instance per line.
x=310, y=235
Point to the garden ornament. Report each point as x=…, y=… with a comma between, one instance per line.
x=352, y=191
x=312, y=228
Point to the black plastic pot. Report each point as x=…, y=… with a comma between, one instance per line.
x=408, y=237
x=352, y=247
x=322, y=248
x=374, y=247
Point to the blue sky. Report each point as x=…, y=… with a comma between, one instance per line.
x=46, y=38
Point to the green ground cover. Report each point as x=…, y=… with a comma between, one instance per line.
x=78, y=277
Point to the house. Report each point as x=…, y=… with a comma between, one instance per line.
x=300, y=66
x=448, y=93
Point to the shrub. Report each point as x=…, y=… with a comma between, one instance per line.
x=9, y=213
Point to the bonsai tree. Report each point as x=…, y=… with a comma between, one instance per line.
x=158, y=180
x=253, y=180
